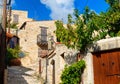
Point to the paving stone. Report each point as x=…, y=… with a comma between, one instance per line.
x=21, y=75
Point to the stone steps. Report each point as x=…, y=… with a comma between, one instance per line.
x=21, y=75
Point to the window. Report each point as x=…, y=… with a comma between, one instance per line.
x=43, y=34
x=15, y=18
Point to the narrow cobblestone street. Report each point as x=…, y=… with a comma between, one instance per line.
x=22, y=75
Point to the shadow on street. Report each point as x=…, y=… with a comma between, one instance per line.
x=17, y=75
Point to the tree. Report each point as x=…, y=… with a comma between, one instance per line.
x=78, y=33
x=113, y=17
x=89, y=26
x=114, y=5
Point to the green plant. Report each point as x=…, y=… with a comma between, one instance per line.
x=118, y=34
x=13, y=25
x=72, y=74
x=79, y=32
x=12, y=53
x=89, y=27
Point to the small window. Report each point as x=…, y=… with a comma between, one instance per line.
x=43, y=34
x=15, y=18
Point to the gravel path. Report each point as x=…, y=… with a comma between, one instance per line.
x=22, y=75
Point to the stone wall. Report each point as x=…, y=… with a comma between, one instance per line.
x=28, y=37
x=22, y=16
x=105, y=44
x=28, y=44
x=60, y=63
x=101, y=45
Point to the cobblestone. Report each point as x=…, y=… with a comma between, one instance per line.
x=22, y=75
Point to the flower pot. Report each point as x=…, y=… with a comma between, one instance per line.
x=15, y=62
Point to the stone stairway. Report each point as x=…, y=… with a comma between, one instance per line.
x=22, y=75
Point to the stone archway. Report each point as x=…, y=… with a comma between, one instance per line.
x=53, y=71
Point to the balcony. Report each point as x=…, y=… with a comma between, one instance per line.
x=42, y=40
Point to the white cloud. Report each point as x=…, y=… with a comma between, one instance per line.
x=13, y=2
x=59, y=8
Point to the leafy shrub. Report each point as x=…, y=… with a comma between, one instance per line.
x=72, y=74
x=12, y=54
x=13, y=25
x=118, y=34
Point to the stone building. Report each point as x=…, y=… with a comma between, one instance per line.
x=53, y=60
x=30, y=33
x=28, y=37
x=42, y=31
x=18, y=16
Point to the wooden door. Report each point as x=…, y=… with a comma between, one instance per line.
x=107, y=67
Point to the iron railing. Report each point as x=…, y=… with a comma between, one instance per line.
x=41, y=40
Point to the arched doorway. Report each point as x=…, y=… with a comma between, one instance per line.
x=53, y=71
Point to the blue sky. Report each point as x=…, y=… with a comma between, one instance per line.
x=56, y=9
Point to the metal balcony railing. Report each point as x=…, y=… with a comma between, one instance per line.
x=42, y=40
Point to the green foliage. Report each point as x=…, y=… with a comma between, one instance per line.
x=13, y=25
x=118, y=34
x=89, y=27
x=113, y=17
x=84, y=29
x=114, y=5
x=72, y=74
x=78, y=33
x=65, y=35
x=12, y=53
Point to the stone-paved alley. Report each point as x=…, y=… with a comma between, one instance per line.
x=22, y=75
